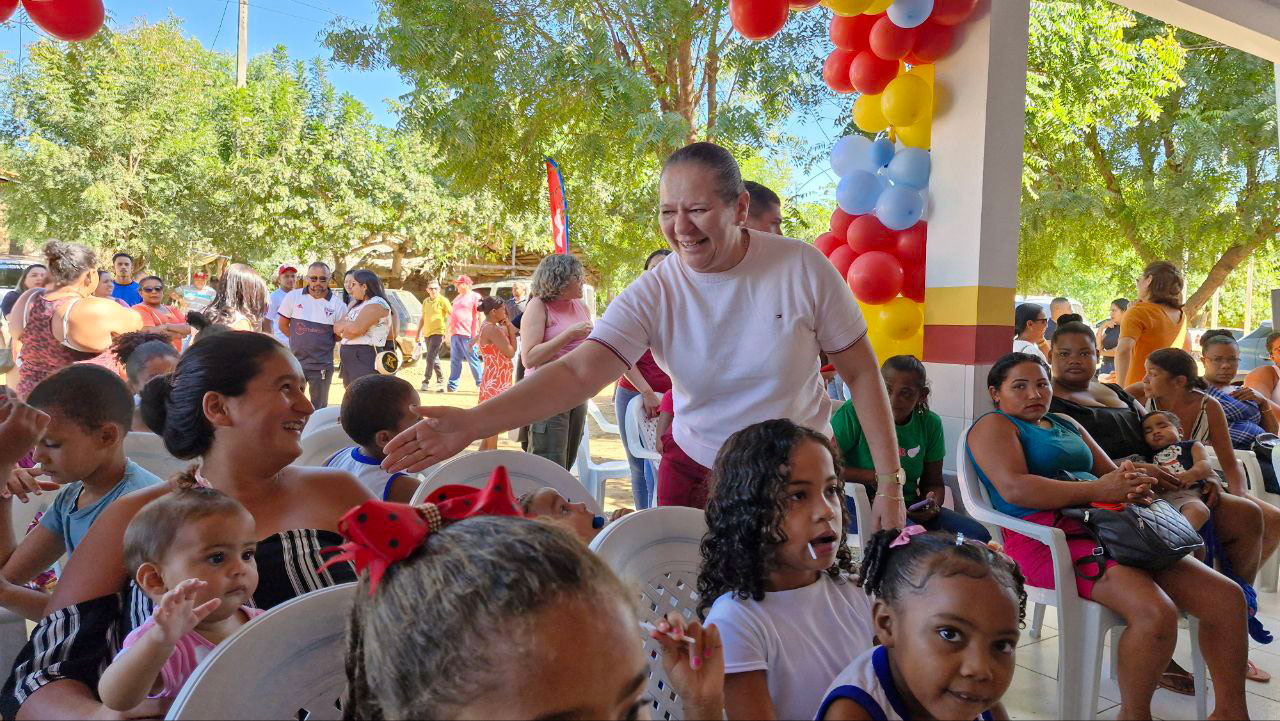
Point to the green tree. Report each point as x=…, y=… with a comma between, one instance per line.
x=1143, y=143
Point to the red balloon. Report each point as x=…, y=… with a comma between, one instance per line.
x=836, y=71
x=875, y=277
x=932, y=42
x=7, y=9
x=909, y=244
x=850, y=33
x=828, y=242
x=840, y=221
x=802, y=5
x=952, y=12
x=72, y=20
x=758, y=19
x=841, y=258
x=867, y=234
x=913, y=283
x=870, y=73
x=890, y=42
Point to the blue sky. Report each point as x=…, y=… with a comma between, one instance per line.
x=300, y=26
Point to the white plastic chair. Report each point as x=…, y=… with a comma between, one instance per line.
x=1270, y=569
x=326, y=416
x=526, y=472
x=1083, y=624
x=286, y=664
x=593, y=475
x=322, y=444
x=147, y=450
x=657, y=551
x=861, y=512
x=642, y=441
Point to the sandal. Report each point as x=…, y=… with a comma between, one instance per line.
x=1178, y=682
x=1253, y=673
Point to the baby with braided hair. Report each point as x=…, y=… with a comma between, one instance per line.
x=948, y=611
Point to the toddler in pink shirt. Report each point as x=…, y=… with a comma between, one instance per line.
x=192, y=553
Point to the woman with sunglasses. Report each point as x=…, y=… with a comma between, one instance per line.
x=155, y=314
x=1029, y=325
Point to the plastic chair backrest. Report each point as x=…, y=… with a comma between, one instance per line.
x=286, y=664
x=861, y=510
x=657, y=552
x=526, y=472
x=641, y=432
x=147, y=450
x=322, y=444
x=593, y=410
x=326, y=416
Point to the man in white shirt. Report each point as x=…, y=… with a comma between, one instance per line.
x=286, y=276
x=306, y=317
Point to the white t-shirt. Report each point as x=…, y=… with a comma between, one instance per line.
x=801, y=639
x=366, y=470
x=868, y=682
x=740, y=346
x=1026, y=346
x=273, y=314
x=376, y=336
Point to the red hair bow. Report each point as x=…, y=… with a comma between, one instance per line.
x=380, y=533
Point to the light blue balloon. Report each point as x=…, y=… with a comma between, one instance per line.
x=910, y=167
x=909, y=13
x=881, y=152
x=857, y=192
x=899, y=207
x=847, y=153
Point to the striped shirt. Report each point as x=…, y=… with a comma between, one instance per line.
x=1243, y=418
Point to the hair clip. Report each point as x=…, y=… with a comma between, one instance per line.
x=904, y=536
x=960, y=539
x=380, y=533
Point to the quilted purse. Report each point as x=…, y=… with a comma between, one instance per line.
x=1151, y=537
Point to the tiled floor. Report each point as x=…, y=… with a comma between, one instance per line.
x=1033, y=694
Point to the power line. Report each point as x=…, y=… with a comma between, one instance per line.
x=220, y=21
x=286, y=14
x=321, y=9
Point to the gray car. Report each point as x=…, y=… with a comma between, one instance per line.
x=1253, y=350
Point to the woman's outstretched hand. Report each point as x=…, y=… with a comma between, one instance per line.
x=441, y=434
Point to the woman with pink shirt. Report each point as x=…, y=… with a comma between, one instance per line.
x=736, y=317
x=555, y=322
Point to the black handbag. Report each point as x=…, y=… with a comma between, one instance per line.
x=1263, y=445
x=1151, y=537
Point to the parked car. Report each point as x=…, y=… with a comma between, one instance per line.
x=408, y=310
x=11, y=267
x=1253, y=349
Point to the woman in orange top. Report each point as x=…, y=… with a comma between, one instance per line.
x=156, y=314
x=1155, y=321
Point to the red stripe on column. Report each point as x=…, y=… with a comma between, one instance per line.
x=966, y=344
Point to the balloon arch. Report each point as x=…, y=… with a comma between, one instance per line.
x=884, y=51
x=72, y=20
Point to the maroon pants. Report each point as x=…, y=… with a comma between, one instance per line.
x=682, y=481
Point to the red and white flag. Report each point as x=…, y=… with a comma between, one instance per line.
x=559, y=208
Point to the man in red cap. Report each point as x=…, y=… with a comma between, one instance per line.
x=286, y=277
x=464, y=326
x=198, y=294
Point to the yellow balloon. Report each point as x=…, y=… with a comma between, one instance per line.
x=900, y=318
x=846, y=8
x=918, y=135
x=867, y=114
x=877, y=6
x=882, y=345
x=906, y=100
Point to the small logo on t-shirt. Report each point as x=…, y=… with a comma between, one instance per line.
x=913, y=452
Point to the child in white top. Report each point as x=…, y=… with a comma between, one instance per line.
x=374, y=409
x=775, y=571
x=947, y=612
x=191, y=552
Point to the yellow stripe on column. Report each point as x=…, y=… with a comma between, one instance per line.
x=968, y=305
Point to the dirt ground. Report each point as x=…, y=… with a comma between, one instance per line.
x=604, y=446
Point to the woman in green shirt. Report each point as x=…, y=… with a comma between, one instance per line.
x=921, y=448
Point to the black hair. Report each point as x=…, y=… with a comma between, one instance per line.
x=1074, y=327
x=1177, y=362
x=1173, y=418
x=374, y=403
x=489, y=303
x=22, y=279
x=90, y=395
x=203, y=326
x=152, y=277
x=134, y=350
x=729, y=185
x=68, y=261
x=173, y=404
x=239, y=289
x=889, y=573
x=911, y=364
x=1121, y=303
x=659, y=252
x=373, y=283
x=121, y=254
x=1000, y=370
x=748, y=506
x=761, y=198
x=1216, y=337
x=1024, y=314
x=1070, y=318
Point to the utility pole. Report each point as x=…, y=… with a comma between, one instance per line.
x=242, y=46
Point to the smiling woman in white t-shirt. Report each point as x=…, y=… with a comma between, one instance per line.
x=707, y=313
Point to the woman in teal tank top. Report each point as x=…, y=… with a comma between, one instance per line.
x=1060, y=466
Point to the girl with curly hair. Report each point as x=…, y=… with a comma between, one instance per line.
x=948, y=612
x=775, y=571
